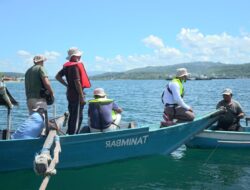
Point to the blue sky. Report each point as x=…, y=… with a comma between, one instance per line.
x=118, y=35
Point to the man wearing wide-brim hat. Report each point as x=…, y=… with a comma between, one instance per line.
x=36, y=78
x=230, y=121
x=76, y=81
x=172, y=98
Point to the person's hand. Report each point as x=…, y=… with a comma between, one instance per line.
x=82, y=101
x=240, y=116
x=120, y=110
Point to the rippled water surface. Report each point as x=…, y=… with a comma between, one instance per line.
x=184, y=169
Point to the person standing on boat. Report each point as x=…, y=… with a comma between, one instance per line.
x=76, y=80
x=230, y=121
x=36, y=78
x=172, y=98
x=104, y=114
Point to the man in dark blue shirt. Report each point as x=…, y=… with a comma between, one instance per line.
x=104, y=114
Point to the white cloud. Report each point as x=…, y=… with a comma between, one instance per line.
x=27, y=57
x=153, y=42
x=219, y=47
x=52, y=55
x=24, y=53
x=195, y=46
x=99, y=59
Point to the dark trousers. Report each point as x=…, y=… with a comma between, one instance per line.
x=73, y=109
x=226, y=126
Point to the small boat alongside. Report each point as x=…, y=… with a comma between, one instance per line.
x=222, y=139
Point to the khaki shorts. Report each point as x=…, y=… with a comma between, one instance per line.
x=179, y=113
x=34, y=103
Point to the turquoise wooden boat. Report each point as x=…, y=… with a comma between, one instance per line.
x=95, y=148
x=221, y=139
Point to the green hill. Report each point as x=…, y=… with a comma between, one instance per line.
x=210, y=69
x=12, y=74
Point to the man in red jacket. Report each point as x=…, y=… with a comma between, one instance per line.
x=76, y=81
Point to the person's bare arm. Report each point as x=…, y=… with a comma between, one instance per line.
x=61, y=80
x=240, y=115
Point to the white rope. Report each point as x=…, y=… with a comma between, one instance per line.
x=211, y=154
x=51, y=169
x=43, y=165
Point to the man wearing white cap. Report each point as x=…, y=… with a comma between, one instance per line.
x=104, y=114
x=36, y=78
x=76, y=80
x=230, y=120
x=172, y=98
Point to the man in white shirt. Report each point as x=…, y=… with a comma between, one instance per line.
x=172, y=98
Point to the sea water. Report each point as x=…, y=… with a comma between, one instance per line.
x=141, y=101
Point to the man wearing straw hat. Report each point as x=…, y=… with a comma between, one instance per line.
x=172, y=98
x=76, y=80
x=36, y=78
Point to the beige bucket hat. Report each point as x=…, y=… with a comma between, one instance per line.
x=182, y=72
x=39, y=58
x=99, y=92
x=73, y=51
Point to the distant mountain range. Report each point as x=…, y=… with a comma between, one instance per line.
x=197, y=69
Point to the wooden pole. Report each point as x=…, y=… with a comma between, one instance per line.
x=78, y=117
x=49, y=140
x=247, y=119
x=54, y=110
x=51, y=169
x=8, y=124
x=52, y=137
x=46, y=121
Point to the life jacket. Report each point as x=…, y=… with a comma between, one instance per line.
x=84, y=77
x=178, y=81
x=104, y=120
x=102, y=101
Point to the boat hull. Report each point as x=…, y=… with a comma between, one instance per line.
x=96, y=148
x=220, y=139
